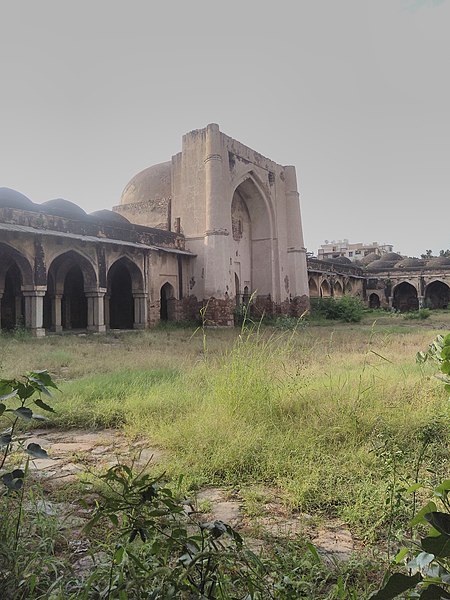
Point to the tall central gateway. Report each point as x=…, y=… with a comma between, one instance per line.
x=240, y=215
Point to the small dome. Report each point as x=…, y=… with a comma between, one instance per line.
x=153, y=183
x=410, y=262
x=13, y=199
x=439, y=261
x=381, y=265
x=63, y=208
x=389, y=256
x=369, y=258
x=109, y=217
x=343, y=260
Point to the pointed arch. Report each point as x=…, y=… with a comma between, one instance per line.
x=437, y=295
x=313, y=289
x=167, y=296
x=325, y=289
x=124, y=280
x=405, y=297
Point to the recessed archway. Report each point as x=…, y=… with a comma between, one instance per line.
x=252, y=230
x=405, y=297
x=12, y=302
x=69, y=276
x=167, y=293
x=124, y=281
x=325, y=290
x=338, y=291
x=437, y=295
x=313, y=289
x=374, y=301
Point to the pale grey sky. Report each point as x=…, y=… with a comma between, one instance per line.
x=354, y=93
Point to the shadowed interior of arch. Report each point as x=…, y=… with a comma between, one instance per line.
x=405, y=297
x=121, y=303
x=166, y=294
x=437, y=295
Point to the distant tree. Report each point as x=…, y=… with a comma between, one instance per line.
x=428, y=254
x=445, y=253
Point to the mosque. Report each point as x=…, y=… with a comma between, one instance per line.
x=216, y=226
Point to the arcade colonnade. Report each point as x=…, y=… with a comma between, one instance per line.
x=85, y=288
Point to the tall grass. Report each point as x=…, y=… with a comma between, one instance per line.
x=315, y=412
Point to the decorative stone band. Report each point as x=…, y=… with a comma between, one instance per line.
x=213, y=157
x=216, y=232
x=301, y=250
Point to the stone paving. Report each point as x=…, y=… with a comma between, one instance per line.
x=74, y=452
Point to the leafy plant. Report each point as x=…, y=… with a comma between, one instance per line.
x=429, y=556
x=421, y=314
x=348, y=309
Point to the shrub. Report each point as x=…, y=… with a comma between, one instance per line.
x=348, y=309
x=422, y=314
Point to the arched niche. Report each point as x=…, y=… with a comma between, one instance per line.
x=313, y=289
x=405, y=297
x=325, y=289
x=252, y=231
x=338, y=291
x=374, y=301
x=124, y=281
x=167, y=296
x=437, y=295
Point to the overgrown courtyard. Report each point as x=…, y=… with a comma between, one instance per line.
x=323, y=424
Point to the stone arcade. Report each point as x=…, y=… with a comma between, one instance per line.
x=214, y=226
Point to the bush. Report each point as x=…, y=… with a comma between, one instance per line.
x=348, y=309
x=422, y=314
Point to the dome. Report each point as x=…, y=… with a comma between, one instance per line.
x=13, y=199
x=390, y=256
x=381, y=265
x=150, y=184
x=369, y=258
x=63, y=208
x=410, y=262
x=343, y=260
x=439, y=261
x=109, y=217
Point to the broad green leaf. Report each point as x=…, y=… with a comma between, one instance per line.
x=36, y=451
x=8, y=396
x=442, y=489
x=446, y=340
x=439, y=546
x=44, y=406
x=434, y=592
x=440, y=521
x=5, y=439
x=44, y=377
x=396, y=585
x=445, y=354
x=420, y=517
x=25, y=391
x=14, y=480
x=401, y=555
x=414, y=488
x=24, y=413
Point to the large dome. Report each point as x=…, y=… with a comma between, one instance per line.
x=369, y=258
x=153, y=183
x=13, y=199
x=381, y=265
x=439, y=261
x=410, y=262
x=109, y=217
x=63, y=208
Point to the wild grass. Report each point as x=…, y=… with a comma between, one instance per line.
x=319, y=412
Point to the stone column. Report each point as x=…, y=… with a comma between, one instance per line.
x=216, y=235
x=34, y=310
x=298, y=271
x=140, y=310
x=421, y=301
x=95, y=309
x=57, y=312
x=106, y=311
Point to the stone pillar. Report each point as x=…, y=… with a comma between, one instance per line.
x=95, y=310
x=217, y=270
x=140, y=310
x=34, y=310
x=57, y=312
x=298, y=271
x=391, y=301
x=107, y=312
x=421, y=301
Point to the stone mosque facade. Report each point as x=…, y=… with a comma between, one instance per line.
x=216, y=227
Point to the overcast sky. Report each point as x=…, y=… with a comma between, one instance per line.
x=354, y=93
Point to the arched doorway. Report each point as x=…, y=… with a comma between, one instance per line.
x=252, y=230
x=313, y=289
x=69, y=277
x=437, y=295
x=166, y=294
x=338, y=291
x=405, y=297
x=121, y=303
x=12, y=302
x=325, y=290
x=74, y=303
x=374, y=301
